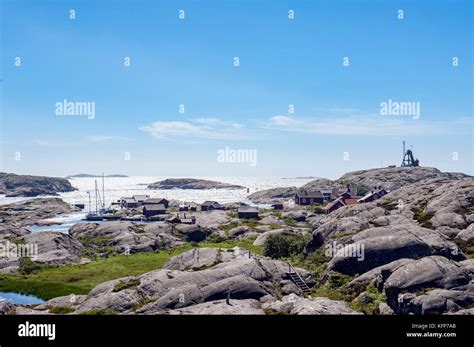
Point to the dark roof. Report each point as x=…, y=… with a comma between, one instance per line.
x=326, y=191
x=209, y=203
x=350, y=190
x=140, y=197
x=306, y=194
x=158, y=207
x=129, y=200
x=342, y=201
x=153, y=201
x=333, y=203
x=247, y=209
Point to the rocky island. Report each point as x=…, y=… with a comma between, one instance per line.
x=409, y=252
x=191, y=183
x=26, y=185
x=389, y=178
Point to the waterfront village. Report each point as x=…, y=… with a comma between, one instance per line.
x=146, y=208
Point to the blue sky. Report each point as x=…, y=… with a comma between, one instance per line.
x=191, y=62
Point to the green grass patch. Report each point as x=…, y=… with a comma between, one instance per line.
x=335, y=288
x=344, y=233
x=17, y=241
x=96, y=245
x=228, y=227
x=61, y=310
x=423, y=218
x=251, y=223
x=290, y=222
x=49, y=282
x=279, y=246
x=271, y=312
x=142, y=303
x=467, y=247
x=245, y=244
x=27, y=266
x=388, y=204
x=372, y=299
x=127, y=284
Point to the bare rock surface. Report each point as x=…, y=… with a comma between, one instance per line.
x=238, y=307
x=203, y=277
x=428, y=272
x=392, y=178
x=25, y=185
x=126, y=236
x=191, y=183
x=199, y=258
x=297, y=305
x=14, y=218
x=382, y=245
x=55, y=248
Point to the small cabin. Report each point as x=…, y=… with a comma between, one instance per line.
x=330, y=194
x=187, y=207
x=140, y=199
x=153, y=210
x=338, y=203
x=278, y=206
x=248, y=212
x=155, y=201
x=309, y=198
x=210, y=205
x=373, y=195
x=346, y=195
x=128, y=203
x=350, y=192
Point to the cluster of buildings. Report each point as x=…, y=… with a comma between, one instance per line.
x=155, y=207
x=150, y=206
x=336, y=197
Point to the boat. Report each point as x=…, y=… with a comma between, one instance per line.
x=100, y=210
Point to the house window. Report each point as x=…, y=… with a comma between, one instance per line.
x=303, y=201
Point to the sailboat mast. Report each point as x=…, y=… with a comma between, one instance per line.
x=103, y=192
x=96, y=207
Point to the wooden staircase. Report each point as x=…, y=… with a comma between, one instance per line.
x=296, y=278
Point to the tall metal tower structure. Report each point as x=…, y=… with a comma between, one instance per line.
x=408, y=159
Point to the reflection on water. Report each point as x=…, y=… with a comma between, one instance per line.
x=66, y=220
x=17, y=298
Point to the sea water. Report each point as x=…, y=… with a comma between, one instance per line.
x=117, y=187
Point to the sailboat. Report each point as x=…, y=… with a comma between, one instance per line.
x=100, y=209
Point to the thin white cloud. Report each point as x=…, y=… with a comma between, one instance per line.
x=53, y=143
x=165, y=130
x=368, y=125
x=282, y=121
x=105, y=138
x=208, y=121
x=72, y=142
x=196, y=128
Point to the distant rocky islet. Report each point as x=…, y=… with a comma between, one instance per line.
x=13, y=185
x=191, y=183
